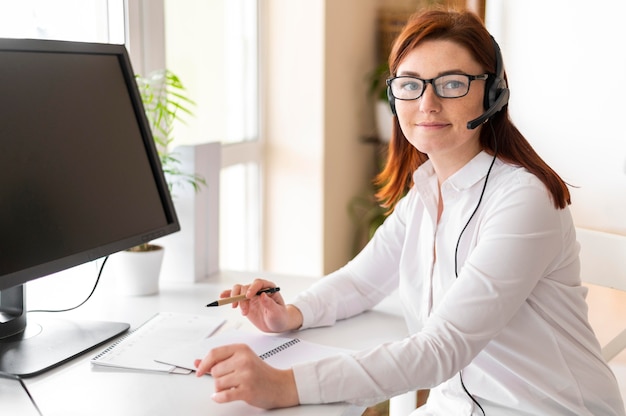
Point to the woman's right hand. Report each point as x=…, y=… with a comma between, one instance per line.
x=267, y=312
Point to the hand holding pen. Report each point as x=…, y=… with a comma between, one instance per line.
x=262, y=303
x=233, y=299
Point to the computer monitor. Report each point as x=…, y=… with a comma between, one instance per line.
x=80, y=178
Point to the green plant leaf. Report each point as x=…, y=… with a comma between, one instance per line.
x=165, y=101
x=377, y=81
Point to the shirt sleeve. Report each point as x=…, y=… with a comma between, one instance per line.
x=518, y=240
x=363, y=282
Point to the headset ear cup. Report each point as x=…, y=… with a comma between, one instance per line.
x=494, y=89
x=488, y=99
x=495, y=85
x=496, y=95
x=392, y=101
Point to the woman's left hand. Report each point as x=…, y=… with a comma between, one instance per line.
x=240, y=374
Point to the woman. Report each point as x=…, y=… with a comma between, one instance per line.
x=481, y=244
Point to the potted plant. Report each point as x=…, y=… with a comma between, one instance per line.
x=382, y=112
x=165, y=102
x=164, y=99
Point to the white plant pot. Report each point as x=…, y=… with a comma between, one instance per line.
x=384, y=120
x=137, y=272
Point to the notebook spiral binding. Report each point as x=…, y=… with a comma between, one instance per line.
x=111, y=347
x=279, y=349
x=122, y=338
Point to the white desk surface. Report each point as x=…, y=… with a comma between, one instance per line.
x=14, y=399
x=78, y=388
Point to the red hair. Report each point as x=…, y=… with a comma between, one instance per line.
x=468, y=31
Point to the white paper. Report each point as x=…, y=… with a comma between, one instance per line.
x=279, y=352
x=138, y=349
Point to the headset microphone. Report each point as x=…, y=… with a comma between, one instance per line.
x=503, y=98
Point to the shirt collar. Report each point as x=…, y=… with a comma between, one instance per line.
x=473, y=172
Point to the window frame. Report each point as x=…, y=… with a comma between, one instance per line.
x=145, y=40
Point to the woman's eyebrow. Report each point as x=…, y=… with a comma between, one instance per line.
x=448, y=72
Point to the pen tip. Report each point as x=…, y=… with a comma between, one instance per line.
x=211, y=304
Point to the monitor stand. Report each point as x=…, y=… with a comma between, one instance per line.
x=44, y=342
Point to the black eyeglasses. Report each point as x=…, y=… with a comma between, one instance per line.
x=446, y=86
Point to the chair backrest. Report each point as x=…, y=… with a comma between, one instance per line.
x=603, y=263
x=602, y=258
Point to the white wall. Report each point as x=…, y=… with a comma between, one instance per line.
x=318, y=53
x=293, y=105
x=349, y=164
x=566, y=64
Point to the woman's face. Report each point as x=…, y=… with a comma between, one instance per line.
x=438, y=126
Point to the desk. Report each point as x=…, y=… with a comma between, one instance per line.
x=80, y=389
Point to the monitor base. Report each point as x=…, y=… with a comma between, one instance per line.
x=48, y=342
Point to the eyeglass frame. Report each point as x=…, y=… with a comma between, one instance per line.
x=470, y=78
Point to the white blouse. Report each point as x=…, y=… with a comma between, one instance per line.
x=514, y=321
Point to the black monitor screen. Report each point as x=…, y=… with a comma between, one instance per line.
x=80, y=176
x=80, y=179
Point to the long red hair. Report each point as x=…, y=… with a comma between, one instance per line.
x=467, y=30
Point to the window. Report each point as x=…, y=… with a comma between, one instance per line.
x=77, y=20
x=213, y=47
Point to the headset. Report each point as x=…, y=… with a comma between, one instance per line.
x=496, y=92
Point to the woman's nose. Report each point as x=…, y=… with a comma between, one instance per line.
x=429, y=101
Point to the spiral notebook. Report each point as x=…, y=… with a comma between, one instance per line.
x=138, y=349
x=279, y=352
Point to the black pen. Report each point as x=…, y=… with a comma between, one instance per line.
x=226, y=301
